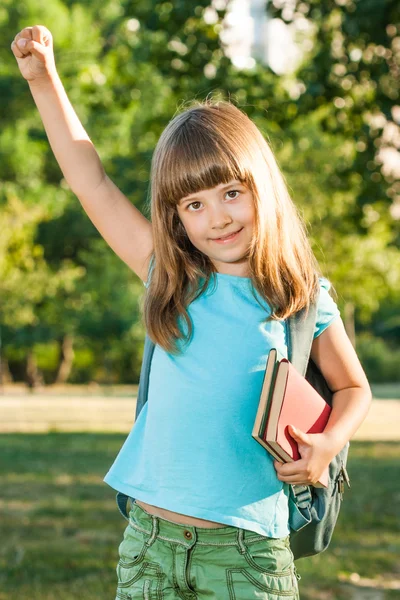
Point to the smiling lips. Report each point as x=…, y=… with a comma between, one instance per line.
x=227, y=238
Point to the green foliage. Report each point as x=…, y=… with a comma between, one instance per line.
x=313, y=159
x=379, y=358
x=352, y=69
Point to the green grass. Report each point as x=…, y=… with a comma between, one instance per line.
x=60, y=527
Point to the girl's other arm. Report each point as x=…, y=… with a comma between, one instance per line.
x=333, y=353
x=336, y=358
x=122, y=225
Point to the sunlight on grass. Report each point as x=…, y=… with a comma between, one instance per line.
x=61, y=529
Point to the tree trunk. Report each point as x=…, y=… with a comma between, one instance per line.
x=33, y=376
x=348, y=321
x=5, y=373
x=67, y=358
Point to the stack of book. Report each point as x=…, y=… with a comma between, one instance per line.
x=288, y=399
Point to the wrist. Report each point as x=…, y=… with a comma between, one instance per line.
x=334, y=441
x=47, y=81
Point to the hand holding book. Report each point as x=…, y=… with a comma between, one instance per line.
x=313, y=466
x=287, y=399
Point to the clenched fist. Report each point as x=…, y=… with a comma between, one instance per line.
x=33, y=49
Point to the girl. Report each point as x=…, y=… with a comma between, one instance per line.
x=225, y=260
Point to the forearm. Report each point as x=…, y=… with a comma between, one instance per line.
x=349, y=409
x=75, y=153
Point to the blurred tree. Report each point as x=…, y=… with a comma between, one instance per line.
x=27, y=282
x=127, y=68
x=348, y=86
x=353, y=68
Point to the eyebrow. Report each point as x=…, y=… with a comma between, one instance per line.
x=224, y=187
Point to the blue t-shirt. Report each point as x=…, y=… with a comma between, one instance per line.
x=191, y=450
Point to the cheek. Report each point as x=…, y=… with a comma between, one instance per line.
x=194, y=228
x=191, y=232
x=247, y=215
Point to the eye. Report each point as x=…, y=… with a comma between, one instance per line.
x=233, y=192
x=192, y=204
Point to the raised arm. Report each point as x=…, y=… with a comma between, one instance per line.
x=122, y=225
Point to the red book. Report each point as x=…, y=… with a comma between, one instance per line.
x=287, y=398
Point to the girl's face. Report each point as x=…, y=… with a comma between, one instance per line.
x=211, y=216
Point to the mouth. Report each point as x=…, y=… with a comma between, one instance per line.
x=228, y=237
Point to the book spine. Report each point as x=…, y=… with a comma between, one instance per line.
x=267, y=446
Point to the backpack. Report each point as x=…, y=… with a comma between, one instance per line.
x=313, y=511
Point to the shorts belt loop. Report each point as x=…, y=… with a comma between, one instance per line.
x=240, y=541
x=154, y=530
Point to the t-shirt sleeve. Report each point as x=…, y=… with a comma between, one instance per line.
x=151, y=267
x=327, y=310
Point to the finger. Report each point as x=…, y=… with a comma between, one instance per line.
x=22, y=46
x=292, y=468
x=41, y=34
x=17, y=52
x=24, y=33
x=298, y=477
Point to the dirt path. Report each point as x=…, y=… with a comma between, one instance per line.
x=46, y=412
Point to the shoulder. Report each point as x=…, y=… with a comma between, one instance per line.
x=327, y=309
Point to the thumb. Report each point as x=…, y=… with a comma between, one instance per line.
x=38, y=50
x=298, y=435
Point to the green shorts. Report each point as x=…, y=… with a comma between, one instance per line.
x=162, y=560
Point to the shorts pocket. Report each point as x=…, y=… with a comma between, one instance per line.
x=143, y=580
x=137, y=576
x=268, y=567
x=271, y=556
x=244, y=584
x=133, y=546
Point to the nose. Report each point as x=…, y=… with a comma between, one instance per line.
x=219, y=217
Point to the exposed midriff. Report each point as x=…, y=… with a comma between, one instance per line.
x=175, y=517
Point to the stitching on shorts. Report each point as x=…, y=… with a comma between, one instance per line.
x=229, y=583
x=146, y=589
x=174, y=581
x=257, y=584
x=189, y=565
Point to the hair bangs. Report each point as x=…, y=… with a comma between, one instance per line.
x=196, y=161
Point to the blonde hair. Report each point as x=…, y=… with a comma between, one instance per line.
x=210, y=143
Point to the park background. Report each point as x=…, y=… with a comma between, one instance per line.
x=70, y=320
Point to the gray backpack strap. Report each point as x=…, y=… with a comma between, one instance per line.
x=300, y=333
x=144, y=374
